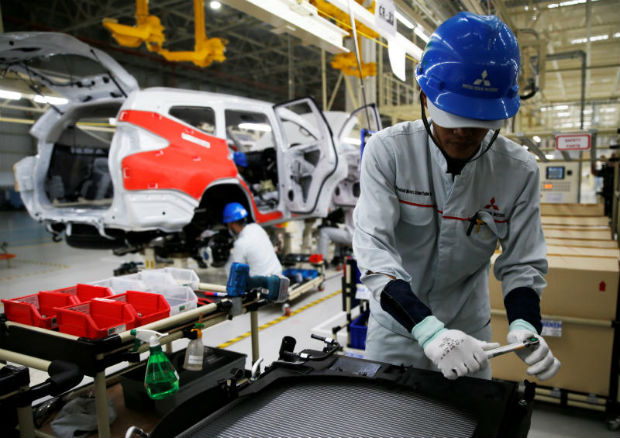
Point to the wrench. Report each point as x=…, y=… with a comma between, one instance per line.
x=530, y=342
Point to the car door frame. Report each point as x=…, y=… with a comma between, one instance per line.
x=326, y=144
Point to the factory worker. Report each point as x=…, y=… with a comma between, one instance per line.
x=252, y=245
x=437, y=195
x=340, y=236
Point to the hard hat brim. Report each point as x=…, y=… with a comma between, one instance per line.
x=449, y=120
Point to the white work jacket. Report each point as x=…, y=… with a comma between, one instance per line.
x=412, y=218
x=254, y=248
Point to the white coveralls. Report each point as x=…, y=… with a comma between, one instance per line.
x=340, y=236
x=254, y=248
x=411, y=222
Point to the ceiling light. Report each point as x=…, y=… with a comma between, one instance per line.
x=565, y=114
x=549, y=156
x=11, y=95
x=50, y=100
x=560, y=107
x=400, y=17
x=215, y=5
x=592, y=39
x=353, y=141
x=255, y=127
x=617, y=35
x=536, y=139
x=608, y=110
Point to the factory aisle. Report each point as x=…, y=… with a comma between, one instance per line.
x=44, y=264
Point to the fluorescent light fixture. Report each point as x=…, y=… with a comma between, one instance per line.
x=544, y=108
x=566, y=3
x=353, y=141
x=549, y=156
x=608, y=110
x=51, y=100
x=11, y=95
x=255, y=127
x=617, y=35
x=560, y=107
x=565, y=114
x=592, y=39
x=112, y=121
x=400, y=17
x=215, y=5
x=536, y=139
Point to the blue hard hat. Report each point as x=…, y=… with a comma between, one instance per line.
x=234, y=212
x=470, y=68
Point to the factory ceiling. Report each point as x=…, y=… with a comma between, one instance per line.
x=564, y=44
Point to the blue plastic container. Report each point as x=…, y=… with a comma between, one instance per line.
x=359, y=327
x=306, y=274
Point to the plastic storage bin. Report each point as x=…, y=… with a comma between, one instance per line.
x=180, y=298
x=85, y=292
x=359, y=327
x=120, y=285
x=175, y=284
x=97, y=318
x=39, y=309
x=149, y=307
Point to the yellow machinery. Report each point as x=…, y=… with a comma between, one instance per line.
x=150, y=31
x=347, y=62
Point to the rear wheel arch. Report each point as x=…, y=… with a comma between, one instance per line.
x=213, y=200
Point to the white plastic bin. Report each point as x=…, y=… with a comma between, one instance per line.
x=120, y=285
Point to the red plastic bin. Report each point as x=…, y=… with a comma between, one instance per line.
x=85, y=292
x=98, y=318
x=39, y=309
x=149, y=307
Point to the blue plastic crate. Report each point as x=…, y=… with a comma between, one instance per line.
x=359, y=327
x=306, y=274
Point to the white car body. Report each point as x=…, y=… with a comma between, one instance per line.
x=173, y=158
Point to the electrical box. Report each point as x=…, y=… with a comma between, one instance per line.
x=559, y=181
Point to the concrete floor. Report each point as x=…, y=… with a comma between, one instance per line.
x=43, y=264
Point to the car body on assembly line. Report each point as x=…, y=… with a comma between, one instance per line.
x=123, y=168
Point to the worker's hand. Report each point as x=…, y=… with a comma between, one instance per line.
x=454, y=352
x=543, y=365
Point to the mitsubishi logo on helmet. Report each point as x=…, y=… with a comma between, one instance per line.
x=483, y=79
x=491, y=204
x=481, y=84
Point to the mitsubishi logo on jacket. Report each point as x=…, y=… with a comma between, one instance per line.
x=491, y=205
x=494, y=209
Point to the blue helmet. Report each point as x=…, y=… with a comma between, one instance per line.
x=234, y=212
x=470, y=68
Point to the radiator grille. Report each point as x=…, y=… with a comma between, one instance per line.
x=338, y=409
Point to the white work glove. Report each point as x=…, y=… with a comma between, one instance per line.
x=454, y=352
x=543, y=365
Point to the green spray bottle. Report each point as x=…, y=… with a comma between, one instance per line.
x=161, y=379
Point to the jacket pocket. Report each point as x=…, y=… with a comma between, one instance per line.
x=488, y=234
x=418, y=214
